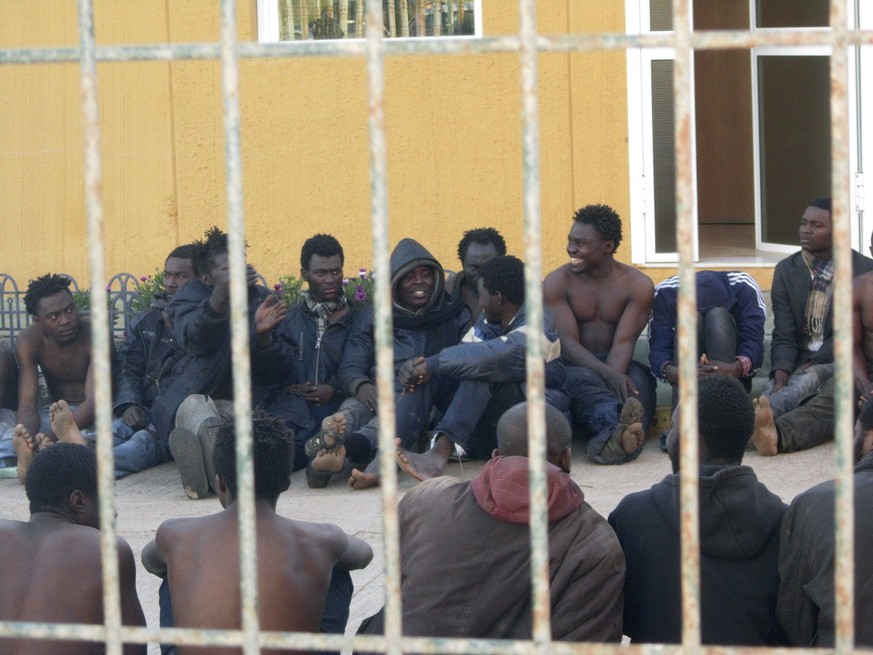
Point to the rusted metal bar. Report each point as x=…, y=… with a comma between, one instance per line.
x=539, y=536
x=100, y=337
x=687, y=328
x=239, y=317
x=384, y=324
x=844, y=575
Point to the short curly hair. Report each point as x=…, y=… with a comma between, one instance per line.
x=506, y=275
x=604, y=219
x=273, y=448
x=42, y=287
x=325, y=245
x=726, y=416
x=57, y=472
x=214, y=243
x=482, y=236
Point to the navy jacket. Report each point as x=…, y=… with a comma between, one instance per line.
x=791, y=286
x=735, y=291
x=423, y=333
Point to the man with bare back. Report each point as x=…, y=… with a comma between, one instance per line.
x=59, y=343
x=295, y=558
x=600, y=307
x=59, y=580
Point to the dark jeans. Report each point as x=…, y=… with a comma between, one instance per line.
x=595, y=409
x=333, y=619
x=717, y=338
x=811, y=423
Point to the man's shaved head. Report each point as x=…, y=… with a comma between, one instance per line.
x=512, y=432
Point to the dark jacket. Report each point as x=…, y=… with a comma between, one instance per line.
x=739, y=547
x=423, y=333
x=491, y=354
x=205, y=335
x=806, y=607
x=151, y=372
x=473, y=579
x=735, y=291
x=791, y=286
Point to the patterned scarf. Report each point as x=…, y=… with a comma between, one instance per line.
x=323, y=309
x=822, y=271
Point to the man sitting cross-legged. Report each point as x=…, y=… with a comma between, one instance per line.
x=465, y=549
x=52, y=569
x=63, y=428
x=299, y=564
x=739, y=535
x=490, y=364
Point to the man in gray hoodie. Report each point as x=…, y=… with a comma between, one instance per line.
x=739, y=535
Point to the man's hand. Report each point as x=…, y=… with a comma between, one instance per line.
x=413, y=372
x=710, y=366
x=314, y=394
x=220, y=298
x=620, y=385
x=134, y=417
x=780, y=379
x=269, y=315
x=367, y=394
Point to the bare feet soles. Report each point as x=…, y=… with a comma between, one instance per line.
x=333, y=429
x=64, y=423
x=629, y=431
x=427, y=465
x=765, y=437
x=26, y=446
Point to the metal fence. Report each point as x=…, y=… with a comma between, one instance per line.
x=527, y=45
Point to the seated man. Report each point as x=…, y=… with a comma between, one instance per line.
x=601, y=307
x=150, y=385
x=200, y=316
x=58, y=342
x=204, y=586
x=803, y=350
x=490, y=364
x=465, y=549
x=730, y=329
x=60, y=577
x=426, y=320
x=300, y=359
x=476, y=247
x=806, y=606
x=739, y=535
x=8, y=390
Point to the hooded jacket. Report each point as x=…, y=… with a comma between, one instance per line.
x=739, y=548
x=735, y=291
x=465, y=559
x=424, y=332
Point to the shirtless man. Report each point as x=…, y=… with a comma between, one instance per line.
x=60, y=578
x=600, y=307
x=58, y=342
x=295, y=558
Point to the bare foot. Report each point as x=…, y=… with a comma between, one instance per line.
x=330, y=460
x=430, y=464
x=25, y=448
x=333, y=429
x=632, y=437
x=43, y=441
x=765, y=437
x=629, y=431
x=363, y=479
x=64, y=424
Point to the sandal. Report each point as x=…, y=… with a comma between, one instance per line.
x=317, y=443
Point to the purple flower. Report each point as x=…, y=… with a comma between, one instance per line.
x=360, y=294
x=108, y=288
x=277, y=287
x=143, y=278
x=345, y=281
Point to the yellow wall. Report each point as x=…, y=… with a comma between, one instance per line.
x=453, y=134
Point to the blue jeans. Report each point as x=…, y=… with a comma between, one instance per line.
x=136, y=450
x=595, y=409
x=801, y=385
x=333, y=619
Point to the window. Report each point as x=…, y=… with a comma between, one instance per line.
x=302, y=20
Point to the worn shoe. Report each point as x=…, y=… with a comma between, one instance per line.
x=207, y=434
x=186, y=450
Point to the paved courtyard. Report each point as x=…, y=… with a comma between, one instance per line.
x=145, y=500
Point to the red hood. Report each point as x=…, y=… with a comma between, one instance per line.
x=501, y=489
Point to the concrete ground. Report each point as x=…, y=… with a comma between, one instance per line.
x=144, y=500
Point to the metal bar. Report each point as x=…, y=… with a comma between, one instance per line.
x=539, y=535
x=844, y=576
x=687, y=329
x=100, y=336
x=384, y=324
x=239, y=316
x=709, y=40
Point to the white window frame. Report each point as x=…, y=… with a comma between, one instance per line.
x=268, y=24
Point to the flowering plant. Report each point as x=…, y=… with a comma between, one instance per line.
x=289, y=289
x=146, y=289
x=359, y=289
